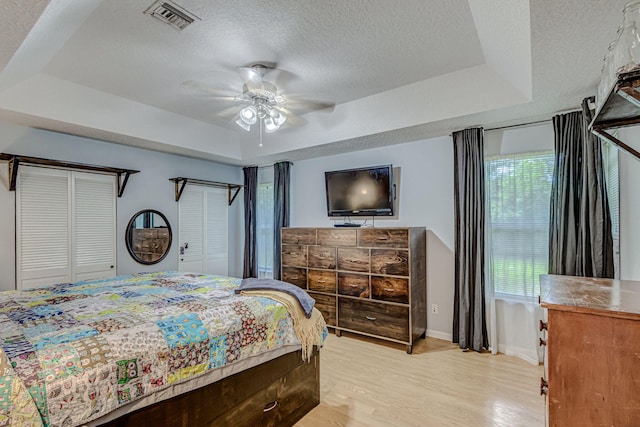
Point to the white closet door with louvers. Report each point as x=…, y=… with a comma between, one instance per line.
x=203, y=230
x=43, y=227
x=94, y=226
x=65, y=226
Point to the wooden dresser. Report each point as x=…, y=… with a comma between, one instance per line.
x=370, y=281
x=593, y=351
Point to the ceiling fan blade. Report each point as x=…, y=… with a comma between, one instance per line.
x=302, y=106
x=227, y=113
x=201, y=87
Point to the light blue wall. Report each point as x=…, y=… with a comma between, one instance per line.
x=149, y=189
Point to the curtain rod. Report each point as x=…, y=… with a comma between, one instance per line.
x=519, y=125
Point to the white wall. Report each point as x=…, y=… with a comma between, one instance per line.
x=149, y=189
x=425, y=196
x=629, y=168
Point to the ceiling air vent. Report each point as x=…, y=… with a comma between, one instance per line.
x=171, y=13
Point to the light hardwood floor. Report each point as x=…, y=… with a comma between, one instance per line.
x=367, y=383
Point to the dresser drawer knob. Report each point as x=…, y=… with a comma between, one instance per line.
x=383, y=238
x=370, y=318
x=270, y=406
x=293, y=255
x=389, y=290
x=543, y=326
x=544, y=387
x=322, y=281
x=294, y=277
x=542, y=342
x=351, y=285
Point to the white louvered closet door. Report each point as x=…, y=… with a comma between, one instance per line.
x=202, y=230
x=216, y=245
x=42, y=227
x=94, y=226
x=191, y=230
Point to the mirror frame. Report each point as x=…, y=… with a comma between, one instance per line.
x=129, y=237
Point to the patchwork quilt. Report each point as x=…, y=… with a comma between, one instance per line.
x=74, y=352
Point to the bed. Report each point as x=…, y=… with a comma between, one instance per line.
x=152, y=349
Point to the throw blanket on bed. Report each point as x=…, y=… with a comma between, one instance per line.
x=310, y=331
x=81, y=350
x=303, y=298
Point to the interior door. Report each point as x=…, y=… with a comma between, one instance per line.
x=202, y=230
x=43, y=227
x=94, y=226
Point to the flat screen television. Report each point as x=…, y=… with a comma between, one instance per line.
x=360, y=192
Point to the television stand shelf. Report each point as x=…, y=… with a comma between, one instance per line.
x=369, y=281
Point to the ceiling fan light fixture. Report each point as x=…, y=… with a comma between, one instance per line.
x=278, y=117
x=243, y=125
x=249, y=115
x=270, y=125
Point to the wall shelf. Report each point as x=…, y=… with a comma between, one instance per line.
x=620, y=109
x=180, y=183
x=16, y=160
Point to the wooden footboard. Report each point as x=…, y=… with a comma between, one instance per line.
x=276, y=393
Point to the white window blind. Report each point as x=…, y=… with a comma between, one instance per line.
x=264, y=222
x=518, y=195
x=610, y=159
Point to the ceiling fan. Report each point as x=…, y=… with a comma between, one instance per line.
x=262, y=103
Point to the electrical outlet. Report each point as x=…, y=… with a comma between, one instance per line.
x=434, y=308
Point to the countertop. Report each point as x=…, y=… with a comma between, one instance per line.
x=606, y=297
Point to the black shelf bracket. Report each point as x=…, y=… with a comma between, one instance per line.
x=181, y=182
x=621, y=108
x=122, y=175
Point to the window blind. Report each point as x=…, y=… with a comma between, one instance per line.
x=265, y=222
x=518, y=195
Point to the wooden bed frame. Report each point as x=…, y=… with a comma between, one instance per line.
x=276, y=393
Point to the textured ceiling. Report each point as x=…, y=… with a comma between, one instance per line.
x=398, y=71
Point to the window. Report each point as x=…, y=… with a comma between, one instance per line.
x=264, y=221
x=518, y=196
x=610, y=160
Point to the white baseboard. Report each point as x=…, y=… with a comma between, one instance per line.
x=439, y=335
x=522, y=353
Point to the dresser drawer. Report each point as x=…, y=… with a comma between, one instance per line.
x=393, y=289
x=385, y=320
x=383, y=237
x=353, y=259
x=390, y=261
x=355, y=285
x=299, y=236
x=296, y=276
x=335, y=237
x=326, y=304
x=321, y=257
x=294, y=255
x=322, y=281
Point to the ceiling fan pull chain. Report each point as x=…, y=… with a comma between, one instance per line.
x=260, y=133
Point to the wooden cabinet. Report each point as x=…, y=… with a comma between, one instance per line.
x=592, y=363
x=370, y=281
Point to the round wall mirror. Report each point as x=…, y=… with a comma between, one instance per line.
x=148, y=237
